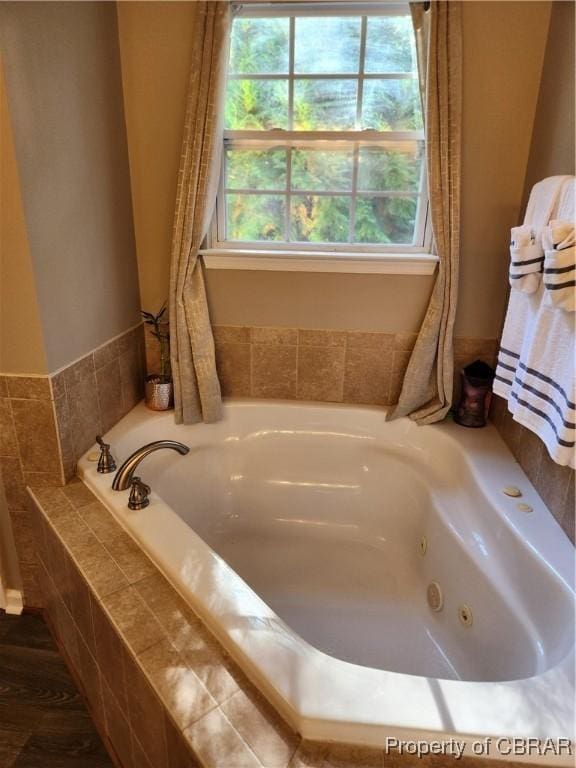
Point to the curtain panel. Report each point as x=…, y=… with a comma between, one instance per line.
x=196, y=388
x=426, y=394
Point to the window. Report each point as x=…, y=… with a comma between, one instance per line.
x=324, y=142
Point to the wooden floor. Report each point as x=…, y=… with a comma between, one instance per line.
x=43, y=720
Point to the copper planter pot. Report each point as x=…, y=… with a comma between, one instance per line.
x=158, y=393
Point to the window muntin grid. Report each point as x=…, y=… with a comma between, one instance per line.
x=358, y=140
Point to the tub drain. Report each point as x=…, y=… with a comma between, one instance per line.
x=434, y=596
x=465, y=615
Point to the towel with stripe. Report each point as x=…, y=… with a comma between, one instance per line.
x=559, y=242
x=536, y=361
x=526, y=259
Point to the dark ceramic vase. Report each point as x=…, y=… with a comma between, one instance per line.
x=472, y=410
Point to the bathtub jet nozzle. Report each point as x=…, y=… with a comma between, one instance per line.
x=123, y=478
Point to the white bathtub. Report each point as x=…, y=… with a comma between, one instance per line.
x=296, y=531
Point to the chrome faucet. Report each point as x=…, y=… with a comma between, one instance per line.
x=124, y=477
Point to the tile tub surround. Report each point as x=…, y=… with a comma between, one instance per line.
x=162, y=690
x=324, y=365
x=554, y=483
x=48, y=422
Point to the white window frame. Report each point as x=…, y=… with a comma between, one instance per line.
x=298, y=256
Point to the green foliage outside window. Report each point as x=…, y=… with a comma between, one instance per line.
x=260, y=46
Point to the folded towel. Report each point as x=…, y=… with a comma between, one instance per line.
x=526, y=259
x=559, y=239
x=536, y=367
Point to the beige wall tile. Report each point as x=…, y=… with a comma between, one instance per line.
x=84, y=412
x=90, y=677
x=179, y=622
x=36, y=434
x=132, y=378
x=146, y=714
x=58, y=384
x=311, y=338
x=81, y=607
x=310, y=754
x=367, y=376
x=261, y=728
x=511, y=433
x=180, y=751
x=274, y=371
x=3, y=386
x=274, y=336
x=231, y=334
x=106, y=354
x=552, y=482
x=42, y=479
x=31, y=585
x=139, y=756
x=498, y=409
x=233, y=365
x=321, y=373
x=100, y=570
x=181, y=690
x=110, y=398
x=134, y=621
x=24, y=533
x=110, y=654
x=218, y=744
x=531, y=454
x=13, y=481
x=78, y=494
x=99, y=520
x=118, y=729
x=74, y=374
x=129, y=558
x=349, y=756
x=212, y=666
x=65, y=437
x=29, y=388
x=8, y=444
x=363, y=340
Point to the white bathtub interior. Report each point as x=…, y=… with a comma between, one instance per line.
x=323, y=511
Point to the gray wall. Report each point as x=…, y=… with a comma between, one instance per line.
x=64, y=85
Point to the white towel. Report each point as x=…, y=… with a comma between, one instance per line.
x=526, y=259
x=559, y=239
x=536, y=366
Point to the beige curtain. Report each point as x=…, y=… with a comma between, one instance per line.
x=196, y=388
x=427, y=388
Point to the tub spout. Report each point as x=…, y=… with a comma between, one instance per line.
x=123, y=478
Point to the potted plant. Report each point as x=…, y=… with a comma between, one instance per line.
x=158, y=386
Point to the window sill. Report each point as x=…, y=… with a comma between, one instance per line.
x=318, y=261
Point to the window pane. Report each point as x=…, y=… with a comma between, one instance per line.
x=391, y=105
x=324, y=105
x=255, y=217
x=385, y=220
x=391, y=167
x=259, y=46
x=257, y=104
x=255, y=169
x=390, y=45
x=327, y=46
x=320, y=219
x=319, y=171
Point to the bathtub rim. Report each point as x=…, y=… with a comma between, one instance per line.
x=303, y=716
